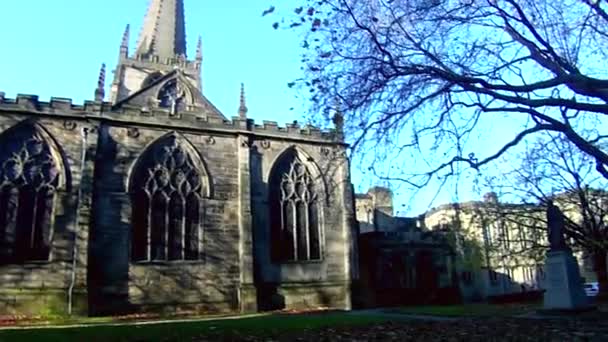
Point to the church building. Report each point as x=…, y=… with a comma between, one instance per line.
x=155, y=200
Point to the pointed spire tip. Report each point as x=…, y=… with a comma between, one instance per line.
x=101, y=83
x=126, y=36
x=199, y=49
x=124, y=43
x=163, y=33
x=243, y=107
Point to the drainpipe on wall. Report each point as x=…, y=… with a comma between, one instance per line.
x=83, y=155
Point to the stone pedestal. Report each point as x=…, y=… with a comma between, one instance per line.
x=563, y=283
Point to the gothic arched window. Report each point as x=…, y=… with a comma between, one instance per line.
x=294, y=212
x=29, y=177
x=166, y=195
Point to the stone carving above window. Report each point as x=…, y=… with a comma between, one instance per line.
x=167, y=192
x=294, y=211
x=70, y=125
x=133, y=132
x=29, y=178
x=265, y=144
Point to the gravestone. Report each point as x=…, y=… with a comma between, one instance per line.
x=564, y=285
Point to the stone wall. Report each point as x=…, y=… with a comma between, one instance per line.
x=374, y=211
x=212, y=279
x=404, y=268
x=329, y=276
x=364, y=210
x=400, y=261
x=234, y=270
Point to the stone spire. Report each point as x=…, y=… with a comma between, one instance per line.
x=101, y=83
x=124, y=44
x=199, y=49
x=338, y=120
x=159, y=74
x=164, y=31
x=243, y=107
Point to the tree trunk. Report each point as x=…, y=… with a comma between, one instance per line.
x=599, y=266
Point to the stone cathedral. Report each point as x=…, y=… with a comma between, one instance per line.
x=155, y=200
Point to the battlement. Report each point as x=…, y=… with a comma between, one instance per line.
x=56, y=105
x=272, y=127
x=189, y=119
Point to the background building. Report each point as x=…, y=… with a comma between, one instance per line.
x=480, y=248
x=401, y=262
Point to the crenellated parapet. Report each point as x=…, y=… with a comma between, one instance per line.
x=295, y=129
x=186, y=120
x=31, y=104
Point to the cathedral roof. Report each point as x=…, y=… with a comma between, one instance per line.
x=164, y=31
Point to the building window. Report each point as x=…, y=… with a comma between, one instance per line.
x=493, y=277
x=510, y=275
x=540, y=271
x=487, y=230
x=538, y=236
x=29, y=177
x=530, y=278
x=506, y=237
x=167, y=204
x=294, y=212
x=467, y=277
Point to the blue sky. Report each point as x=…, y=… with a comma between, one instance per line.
x=55, y=48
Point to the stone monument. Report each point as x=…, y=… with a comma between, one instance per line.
x=564, y=285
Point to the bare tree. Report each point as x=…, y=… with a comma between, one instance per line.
x=553, y=170
x=424, y=78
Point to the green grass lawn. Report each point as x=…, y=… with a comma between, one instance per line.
x=468, y=310
x=262, y=326
x=59, y=320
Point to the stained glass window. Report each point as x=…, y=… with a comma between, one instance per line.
x=29, y=177
x=166, y=197
x=294, y=212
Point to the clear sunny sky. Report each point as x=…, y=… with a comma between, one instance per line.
x=55, y=48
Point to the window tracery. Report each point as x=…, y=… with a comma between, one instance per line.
x=294, y=212
x=29, y=177
x=172, y=96
x=167, y=204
